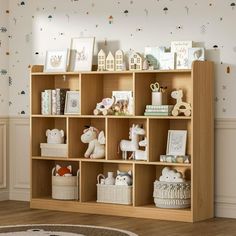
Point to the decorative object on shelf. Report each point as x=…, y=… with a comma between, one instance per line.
x=172, y=191
x=133, y=144
x=124, y=178
x=195, y=54
x=159, y=96
x=46, y=102
x=152, y=55
x=176, y=142
x=105, y=107
x=141, y=155
x=119, y=60
x=64, y=185
x=181, y=49
x=64, y=170
x=180, y=106
x=72, y=104
x=145, y=64
x=175, y=159
x=167, y=60
x=159, y=110
x=109, y=180
x=55, y=136
x=110, y=62
x=54, y=150
x=81, y=55
x=101, y=60
x=56, y=61
x=135, y=61
x=96, y=141
x=123, y=102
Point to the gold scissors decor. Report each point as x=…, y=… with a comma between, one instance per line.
x=155, y=87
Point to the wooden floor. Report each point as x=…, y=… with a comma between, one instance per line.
x=12, y=213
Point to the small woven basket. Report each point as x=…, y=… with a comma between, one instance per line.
x=172, y=195
x=65, y=187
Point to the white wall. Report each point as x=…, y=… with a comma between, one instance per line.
x=207, y=23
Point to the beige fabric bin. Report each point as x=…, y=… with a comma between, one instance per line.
x=54, y=150
x=65, y=187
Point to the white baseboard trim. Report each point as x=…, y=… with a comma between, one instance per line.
x=226, y=210
x=20, y=195
x=4, y=195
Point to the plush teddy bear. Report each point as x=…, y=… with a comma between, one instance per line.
x=55, y=136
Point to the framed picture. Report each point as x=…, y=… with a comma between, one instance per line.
x=123, y=102
x=72, y=104
x=167, y=60
x=195, y=54
x=176, y=142
x=81, y=56
x=56, y=61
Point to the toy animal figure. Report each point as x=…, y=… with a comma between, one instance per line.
x=141, y=154
x=124, y=178
x=180, y=106
x=105, y=106
x=96, y=141
x=55, y=136
x=131, y=145
x=169, y=175
x=63, y=171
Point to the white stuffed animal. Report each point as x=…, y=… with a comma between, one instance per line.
x=55, y=136
x=96, y=141
x=169, y=175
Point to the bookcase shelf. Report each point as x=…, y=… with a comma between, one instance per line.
x=197, y=84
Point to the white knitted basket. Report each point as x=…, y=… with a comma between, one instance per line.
x=65, y=187
x=172, y=195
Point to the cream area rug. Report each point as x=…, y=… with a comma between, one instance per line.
x=61, y=230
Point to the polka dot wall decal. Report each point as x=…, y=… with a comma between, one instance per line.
x=233, y=5
x=50, y=17
x=139, y=29
x=126, y=12
x=165, y=9
x=22, y=3
x=221, y=18
x=215, y=46
x=22, y=112
x=7, y=11
x=216, y=99
x=179, y=27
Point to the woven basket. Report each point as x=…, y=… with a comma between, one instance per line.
x=65, y=187
x=172, y=195
x=119, y=194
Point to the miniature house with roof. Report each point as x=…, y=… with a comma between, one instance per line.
x=101, y=60
x=119, y=60
x=135, y=61
x=110, y=62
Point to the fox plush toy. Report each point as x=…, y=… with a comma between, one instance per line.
x=63, y=171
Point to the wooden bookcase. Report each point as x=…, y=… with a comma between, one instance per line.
x=198, y=87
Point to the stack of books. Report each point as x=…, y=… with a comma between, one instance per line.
x=53, y=101
x=159, y=110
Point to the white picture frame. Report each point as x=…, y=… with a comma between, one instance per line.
x=72, y=103
x=81, y=54
x=167, y=60
x=56, y=61
x=176, y=142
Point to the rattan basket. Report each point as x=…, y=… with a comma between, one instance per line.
x=172, y=195
x=65, y=187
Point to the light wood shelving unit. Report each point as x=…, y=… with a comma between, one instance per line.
x=197, y=85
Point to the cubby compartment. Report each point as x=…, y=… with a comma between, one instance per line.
x=119, y=129
x=96, y=86
x=158, y=134
x=89, y=172
x=76, y=127
x=145, y=176
x=42, y=176
x=40, y=82
x=173, y=81
x=39, y=128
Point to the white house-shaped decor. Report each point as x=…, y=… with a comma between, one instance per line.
x=135, y=61
x=101, y=60
x=110, y=62
x=119, y=60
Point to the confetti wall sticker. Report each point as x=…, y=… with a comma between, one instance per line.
x=3, y=29
x=215, y=46
x=233, y=5
x=126, y=12
x=228, y=70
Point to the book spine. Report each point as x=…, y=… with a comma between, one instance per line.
x=58, y=106
x=157, y=114
x=157, y=110
x=43, y=103
x=63, y=100
x=167, y=107
x=48, y=98
x=54, y=102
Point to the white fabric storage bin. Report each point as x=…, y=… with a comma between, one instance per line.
x=54, y=150
x=119, y=194
x=172, y=195
x=65, y=187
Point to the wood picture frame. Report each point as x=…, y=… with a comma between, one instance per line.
x=72, y=104
x=81, y=54
x=176, y=142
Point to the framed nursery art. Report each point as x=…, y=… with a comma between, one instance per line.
x=72, y=104
x=56, y=61
x=176, y=142
x=81, y=55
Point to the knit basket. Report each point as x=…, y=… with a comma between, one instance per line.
x=65, y=187
x=172, y=195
